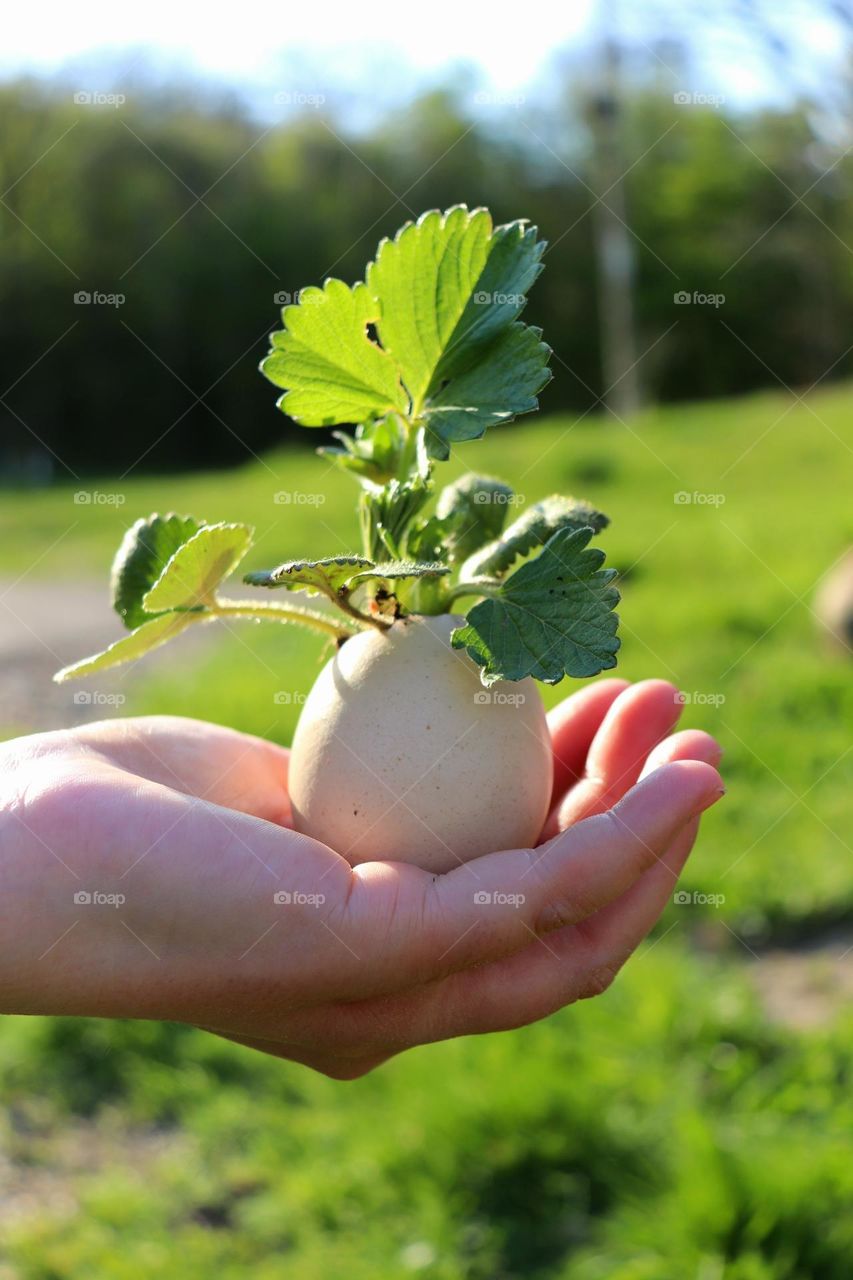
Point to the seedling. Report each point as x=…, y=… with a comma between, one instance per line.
x=428, y=351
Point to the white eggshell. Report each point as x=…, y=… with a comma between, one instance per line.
x=401, y=754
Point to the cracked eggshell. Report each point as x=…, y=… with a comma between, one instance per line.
x=402, y=755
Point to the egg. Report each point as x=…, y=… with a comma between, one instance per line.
x=401, y=754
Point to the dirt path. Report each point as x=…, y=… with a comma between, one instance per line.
x=42, y=630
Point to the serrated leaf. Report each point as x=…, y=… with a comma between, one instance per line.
x=443, y=296
x=330, y=370
x=449, y=284
x=391, y=570
x=317, y=577
x=149, y=636
x=424, y=278
x=145, y=550
x=530, y=531
x=468, y=513
x=198, y=566
x=551, y=618
x=513, y=265
x=502, y=384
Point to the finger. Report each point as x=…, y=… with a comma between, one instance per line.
x=689, y=744
x=619, y=928
x=495, y=905
x=638, y=720
x=616, y=931
x=577, y=962
x=574, y=723
x=550, y=973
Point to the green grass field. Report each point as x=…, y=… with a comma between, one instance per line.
x=668, y=1131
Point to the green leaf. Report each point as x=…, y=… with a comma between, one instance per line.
x=330, y=370
x=337, y=576
x=468, y=513
x=387, y=513
x=145, y=550
x=552, y=617
x=424, y=279
x=425, y=540
x=530, y=531
x=444, y=298
x=373, y=452
x=391, y=570
x=190, y=578
x=149, y=636
x=449, y=285
x=505, y=382
x=513, y=265
x=381, y=450
x=317, y=577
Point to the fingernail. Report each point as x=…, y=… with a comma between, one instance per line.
x=711, y=798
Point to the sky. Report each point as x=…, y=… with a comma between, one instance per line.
x=426, y=36
x=390, y=49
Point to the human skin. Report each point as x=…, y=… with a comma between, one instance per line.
x=188, y=821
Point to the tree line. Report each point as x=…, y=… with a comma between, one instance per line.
x=147, y=246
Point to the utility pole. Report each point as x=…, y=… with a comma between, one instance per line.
x=613, y=247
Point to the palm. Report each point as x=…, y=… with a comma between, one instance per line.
x=405, y=957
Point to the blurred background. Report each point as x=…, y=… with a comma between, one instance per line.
x=168, y=181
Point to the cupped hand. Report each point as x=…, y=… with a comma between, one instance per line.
x=149, y=870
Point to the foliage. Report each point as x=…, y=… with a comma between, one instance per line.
x=708, y=190
x=451, y=359
x=663, y=1131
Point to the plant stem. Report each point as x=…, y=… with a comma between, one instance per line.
x=341, y=599
x=281, y=613
x=488, y=587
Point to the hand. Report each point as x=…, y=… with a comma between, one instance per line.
x=182, y=828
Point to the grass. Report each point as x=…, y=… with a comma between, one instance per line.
x=664, y=1132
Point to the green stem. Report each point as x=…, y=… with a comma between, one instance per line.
x=341, y=599
x=281, y=613
x=488, y=587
